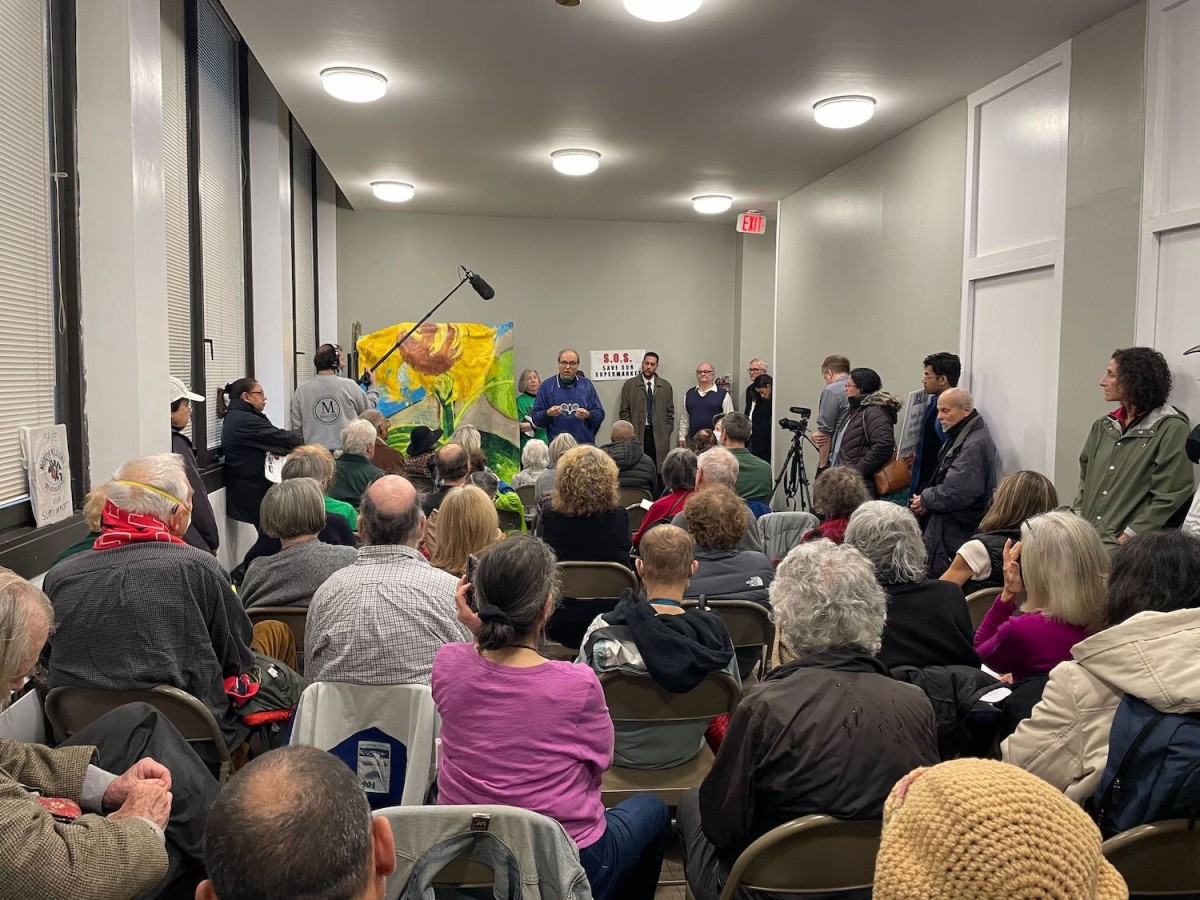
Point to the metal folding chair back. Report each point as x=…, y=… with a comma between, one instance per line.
x=294, y=617
x=1160, y=859
x=528, y=495
x=809, y=855
x=978, y=604
x=631, y=496
x=586, y=580
x=748, y=623
x=71, y=709
x=637, y=512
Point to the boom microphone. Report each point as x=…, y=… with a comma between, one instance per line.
x=482, y=288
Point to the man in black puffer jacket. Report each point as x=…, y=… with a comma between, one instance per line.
x=636, y=468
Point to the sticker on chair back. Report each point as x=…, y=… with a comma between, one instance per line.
x=380, y=762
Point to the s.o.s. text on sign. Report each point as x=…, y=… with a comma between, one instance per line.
x=609, y=365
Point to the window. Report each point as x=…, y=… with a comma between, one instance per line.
x=38, y=307
x=176, y=203
x=304, y=267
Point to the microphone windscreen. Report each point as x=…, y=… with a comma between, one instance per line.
x=482, y=288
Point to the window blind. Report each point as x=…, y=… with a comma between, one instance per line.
x=27, y=294
x=304, y=292
x=220, y=173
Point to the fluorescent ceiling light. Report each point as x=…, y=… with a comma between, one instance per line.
x=711, y=204
x=844, y=112
x=662, y=10
x=575, y=162
x=393, y=191
x=354, y=85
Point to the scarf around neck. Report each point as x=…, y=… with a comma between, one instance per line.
x=119, y=527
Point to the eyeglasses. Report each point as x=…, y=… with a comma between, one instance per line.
x=754, y=369
x=571, y=365
x=704, y=371
x=260, y=393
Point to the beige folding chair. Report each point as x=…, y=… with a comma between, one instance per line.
x=587, y=580
x=637, y=512
x=71, y=709
x=638, y=698
x=294, y=617
x=528, y=495
x=978, y=604
x=748, y=623
x=1161, y=859
x=631, y=496
x=809, y=855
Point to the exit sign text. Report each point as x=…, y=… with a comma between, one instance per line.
x=752, y=223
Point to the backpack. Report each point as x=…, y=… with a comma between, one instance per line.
x=1153, y=769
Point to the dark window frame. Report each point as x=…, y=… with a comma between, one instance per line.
x=313, y=159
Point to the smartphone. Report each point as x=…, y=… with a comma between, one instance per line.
x=472, y=564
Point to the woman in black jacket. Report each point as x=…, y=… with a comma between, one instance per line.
x=866, y=440
x=247, y=436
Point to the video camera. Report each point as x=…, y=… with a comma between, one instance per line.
x=797, y=425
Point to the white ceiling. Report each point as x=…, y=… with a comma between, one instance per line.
x=480, y=92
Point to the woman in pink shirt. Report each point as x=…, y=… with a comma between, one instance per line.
x=1059, y=569
x=521, y=730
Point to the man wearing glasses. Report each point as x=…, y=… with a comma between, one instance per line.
x=758, y=408
x=702, y=404
x=568, y=403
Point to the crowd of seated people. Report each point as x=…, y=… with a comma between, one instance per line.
x=1095, y=612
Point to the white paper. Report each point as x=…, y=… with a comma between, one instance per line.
x=996, y=695
x=273, y=468
x=24, y=721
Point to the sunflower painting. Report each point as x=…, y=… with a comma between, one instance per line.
x=447, y=375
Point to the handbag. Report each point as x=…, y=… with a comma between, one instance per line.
x=267, y=693
x=893, y=476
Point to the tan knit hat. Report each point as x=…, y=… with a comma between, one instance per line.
x=976, y=829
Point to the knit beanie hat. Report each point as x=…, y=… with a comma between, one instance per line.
x=977, y=829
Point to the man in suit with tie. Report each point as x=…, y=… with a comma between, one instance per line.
x=648, y=401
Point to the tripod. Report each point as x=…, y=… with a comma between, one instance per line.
x=792, y=474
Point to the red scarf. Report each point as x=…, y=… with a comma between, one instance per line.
x=119, y=527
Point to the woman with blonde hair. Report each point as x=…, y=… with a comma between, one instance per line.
x=979, y=563
x=467, y=524
x=1057, y=572
x=585, y=520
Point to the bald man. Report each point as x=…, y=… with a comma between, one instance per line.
x=381, y=620
x=703, y=403
x=635, y=468
x=963, y=482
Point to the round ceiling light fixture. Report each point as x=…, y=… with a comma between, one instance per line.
x=711, y=204
x=575, y=162
x=353, y=85
x=662, y=10
x=393, y=191
x=844, y=112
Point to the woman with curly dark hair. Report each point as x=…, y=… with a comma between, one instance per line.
x=1133, y=472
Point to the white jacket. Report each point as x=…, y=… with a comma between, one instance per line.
x=1154, y=656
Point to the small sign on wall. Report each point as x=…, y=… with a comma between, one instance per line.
x=614, y=365
x=48, y=464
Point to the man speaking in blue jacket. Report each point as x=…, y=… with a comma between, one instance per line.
x=568, y=403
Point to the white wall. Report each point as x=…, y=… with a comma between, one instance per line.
x=589, y=285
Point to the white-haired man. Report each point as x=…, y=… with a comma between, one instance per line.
x=142, y=608
x=718, y=466
x=354, y=471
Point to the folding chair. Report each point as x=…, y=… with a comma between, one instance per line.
x=638, y=698
x=978, y=604
x=809, y=855
x=637, y=512
x=528, y=495
x=749, y=626
x=71, y=709
x=384, y=733
x=632, y=496
x=1160, y=859
x=588, y=589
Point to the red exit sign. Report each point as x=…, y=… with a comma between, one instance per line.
x=752, y=223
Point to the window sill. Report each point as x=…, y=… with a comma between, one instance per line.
x=30, y=551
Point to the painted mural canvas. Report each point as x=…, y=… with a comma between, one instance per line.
x=445, y=376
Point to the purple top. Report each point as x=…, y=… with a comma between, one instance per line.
x=536, y=738
x=1027, y=645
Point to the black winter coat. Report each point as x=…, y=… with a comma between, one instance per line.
x=247, y=436
x=960, y=492
x=828, y=733
x=202, y=533
x=869, y=438
x=634, y=468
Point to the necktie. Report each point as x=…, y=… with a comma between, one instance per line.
x=649, y=402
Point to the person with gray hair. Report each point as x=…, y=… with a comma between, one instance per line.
x=755, y=480
x=132, y=835
x=293, y=512
x=535, y=460
x=829, y=732
x=720, y=467
x=296, y=823
x=381, y=619
x=927, y=620
x=354, y=471
x=558, y=446
x=634, y=468
x=386, y=457
x=143, y=608
x=679, y=482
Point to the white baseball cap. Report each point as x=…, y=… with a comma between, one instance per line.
x=179, y=391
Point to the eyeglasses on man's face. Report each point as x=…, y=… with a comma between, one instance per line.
x=569, y=363
x=704, y=371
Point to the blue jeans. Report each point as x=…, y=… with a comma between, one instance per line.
x=625, y=862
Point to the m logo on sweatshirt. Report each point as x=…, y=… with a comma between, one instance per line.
x=327, y=410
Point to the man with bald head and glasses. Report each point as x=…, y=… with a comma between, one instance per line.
x=702, y=404
x=568, y=403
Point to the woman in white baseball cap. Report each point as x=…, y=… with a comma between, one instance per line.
x=202, y=533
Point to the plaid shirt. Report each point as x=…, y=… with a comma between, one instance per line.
x=381, y=620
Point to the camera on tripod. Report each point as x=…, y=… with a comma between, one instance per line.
x=797, y=425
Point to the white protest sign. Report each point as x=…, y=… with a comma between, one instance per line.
x=615, y=365
x=913, y=421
